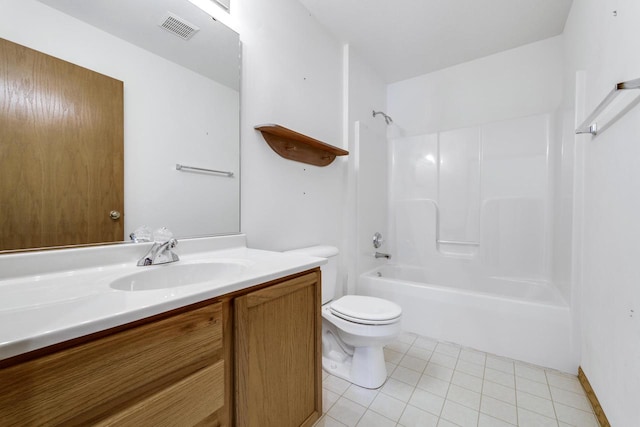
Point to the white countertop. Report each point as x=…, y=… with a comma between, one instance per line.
x=41, y=308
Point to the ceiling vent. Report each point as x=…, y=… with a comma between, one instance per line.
x=178, y=26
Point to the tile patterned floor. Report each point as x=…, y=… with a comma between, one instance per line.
x=442, y=384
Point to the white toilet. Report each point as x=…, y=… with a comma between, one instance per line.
x=355, y=328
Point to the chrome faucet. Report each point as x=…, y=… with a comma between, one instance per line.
x=160, y=253
x=382, y=255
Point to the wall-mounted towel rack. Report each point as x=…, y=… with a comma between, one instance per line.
x=180, y=167
x=590, y=125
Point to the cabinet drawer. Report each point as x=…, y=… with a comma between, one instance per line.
x=185, y=403
x=84, y=384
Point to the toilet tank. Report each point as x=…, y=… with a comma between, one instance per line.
x=329, y=270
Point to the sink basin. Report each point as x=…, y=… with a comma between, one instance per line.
x=176, y=275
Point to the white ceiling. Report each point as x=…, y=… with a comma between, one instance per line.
x=406, y=38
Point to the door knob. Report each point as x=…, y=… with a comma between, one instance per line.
x=114, y=215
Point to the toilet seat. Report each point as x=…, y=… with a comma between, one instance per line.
x=366, y=310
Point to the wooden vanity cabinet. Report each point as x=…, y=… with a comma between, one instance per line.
x=278, y=354
x=168, y=372
x=190, y=367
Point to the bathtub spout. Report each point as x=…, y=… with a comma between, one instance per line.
x=382, y=255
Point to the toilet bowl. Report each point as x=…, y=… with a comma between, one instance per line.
x=352, y=345
x=355, y=328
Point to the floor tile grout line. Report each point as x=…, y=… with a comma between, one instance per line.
x=515, y=392
x=412, y=392
x=484, y=369
x=447, y=393
x=553, y=403
x=564, y=388
x=414, y=387
x=433, y=351
x=384, y=416
x=533, y=410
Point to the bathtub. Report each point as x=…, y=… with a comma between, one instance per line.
x=519, y=319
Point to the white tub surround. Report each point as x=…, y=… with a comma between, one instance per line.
x=476, y=223
x=523, y=320
x=53, y=296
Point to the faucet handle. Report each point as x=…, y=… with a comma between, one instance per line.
x=164, y=253
x=160, y=253
x=162, y=234
x=141, y=234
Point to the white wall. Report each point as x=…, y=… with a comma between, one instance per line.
x=515, y=83
x=297, y=75
x=188, y=126
x=605, y=47
x=292, y=76
x=366, y=207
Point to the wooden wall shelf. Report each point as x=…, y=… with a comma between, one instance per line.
x=296, y=146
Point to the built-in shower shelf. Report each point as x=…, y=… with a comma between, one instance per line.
x=296, y=146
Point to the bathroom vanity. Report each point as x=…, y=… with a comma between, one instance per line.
x=242, y=351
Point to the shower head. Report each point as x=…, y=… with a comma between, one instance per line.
x=387, y=119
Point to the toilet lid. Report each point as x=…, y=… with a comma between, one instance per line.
x=366, y=310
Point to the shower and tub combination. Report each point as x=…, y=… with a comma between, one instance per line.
x=523, y=320
x=471, y=233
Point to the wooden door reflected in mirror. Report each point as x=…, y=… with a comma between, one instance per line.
x=61, y=151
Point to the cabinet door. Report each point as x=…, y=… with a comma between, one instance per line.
x=278, y=354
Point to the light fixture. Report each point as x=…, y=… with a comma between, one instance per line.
x=217, y=10
x=225, y=4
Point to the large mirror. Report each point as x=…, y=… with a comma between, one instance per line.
x=181, y=101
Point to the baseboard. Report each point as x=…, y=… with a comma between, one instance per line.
x=593, y=399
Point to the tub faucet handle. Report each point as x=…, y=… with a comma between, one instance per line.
x=378, y=240
x=382, y=255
